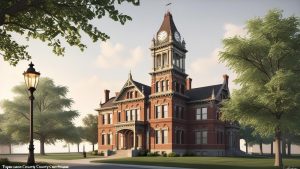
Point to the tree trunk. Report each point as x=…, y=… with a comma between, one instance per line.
x=42, y=146
x=261, y=148
x=283, y=149
x=272, y=153
x=10, y=147
x=93, y=146
x=278, y=157
x=246, y=147
x=289, y=147
x=69, y=147
x=78, y=147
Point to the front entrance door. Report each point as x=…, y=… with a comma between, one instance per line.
x=125, y=139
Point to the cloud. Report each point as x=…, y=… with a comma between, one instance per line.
x=117, y=55
x=232, y=30
x=207, y=70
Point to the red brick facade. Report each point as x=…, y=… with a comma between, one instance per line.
x=169, y=115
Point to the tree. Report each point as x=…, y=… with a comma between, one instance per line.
x=52, y=114
x=246, y=134
x=5, y=138
x=74, y=137
x=52, y=21
x=267, y=64
x=90, y=129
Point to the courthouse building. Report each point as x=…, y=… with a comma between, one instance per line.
x=168, y=115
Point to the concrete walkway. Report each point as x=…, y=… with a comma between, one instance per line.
x=84, y=163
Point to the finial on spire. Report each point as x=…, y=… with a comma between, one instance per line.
x=213, y=97
x=130, y=76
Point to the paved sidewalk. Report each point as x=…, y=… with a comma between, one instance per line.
x=84, y=163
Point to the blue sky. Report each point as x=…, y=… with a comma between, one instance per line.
x=203, y=24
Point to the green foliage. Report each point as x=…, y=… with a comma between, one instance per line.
x=90, y=129
x=172, y=154
x=52, y=113
x=267, y=62
x=53, y=21
x=95, y=152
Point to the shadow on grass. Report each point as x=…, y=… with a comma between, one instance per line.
x=185, y=165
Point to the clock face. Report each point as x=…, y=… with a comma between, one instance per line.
x=177, y=36
x=162, y=35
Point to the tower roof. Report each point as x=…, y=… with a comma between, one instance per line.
x=168, y=24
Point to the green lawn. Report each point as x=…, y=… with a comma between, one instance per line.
x=206, y=162
x=65, y=156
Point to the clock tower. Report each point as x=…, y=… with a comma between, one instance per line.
x=168, y=86
x=168, y=53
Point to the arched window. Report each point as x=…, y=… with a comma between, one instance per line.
x=158, y=61
x=157, y=86
x=165, y=59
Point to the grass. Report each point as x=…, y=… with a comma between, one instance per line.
x=65, y=156
x=206, y=162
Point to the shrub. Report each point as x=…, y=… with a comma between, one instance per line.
x=189, y=154
x=143, y=153
x=95, y=152
x=101, y=153
x=164, y=154
x=172, y=154
x=152, y=154
x=4, y=161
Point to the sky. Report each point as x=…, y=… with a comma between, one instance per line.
x=105, y=65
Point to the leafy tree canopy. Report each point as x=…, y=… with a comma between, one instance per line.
x=267, y=62
x=52, y=21
x=52, y=114
x=90, y=129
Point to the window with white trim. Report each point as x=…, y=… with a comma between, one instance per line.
x=157, y=112
x=201, y=113
x=164, y=137
x=164, y=111
x=105, y=118
x=127, y=115
x=157, y=137
x=201, y=137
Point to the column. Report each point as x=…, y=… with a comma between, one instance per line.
x=134, y=139
x=117, y=140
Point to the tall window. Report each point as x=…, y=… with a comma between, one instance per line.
x=157, y=137
x=109, y=139
x=108, y=119
x=201, y=137
x=158, y=60
x=167, y=85
x=182, y=87
x=163, y=85
x=102, y=139
x=119, y=116
x=201, y=113
x=132, y=115
x=165, y=59
x=105, y=118
x=164, y=111
x=127, y=115
x=181, y=112
x=138, y=116
x=164, y=137
x=157, y=112
x=157, y=86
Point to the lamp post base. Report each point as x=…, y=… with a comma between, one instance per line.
x=30, y=160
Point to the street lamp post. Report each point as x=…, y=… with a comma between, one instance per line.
x=31, y=79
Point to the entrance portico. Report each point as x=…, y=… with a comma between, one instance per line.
x=129, y=135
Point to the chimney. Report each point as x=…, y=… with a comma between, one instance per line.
x=106, y=93
x=226, y=77
x=188, y=83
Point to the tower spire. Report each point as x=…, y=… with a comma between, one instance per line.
x=130, y=76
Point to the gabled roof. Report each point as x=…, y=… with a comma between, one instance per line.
x=109, y=103
x=203, y=93
x=168, y=25
x=143, y=87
